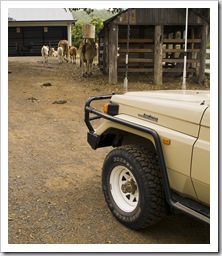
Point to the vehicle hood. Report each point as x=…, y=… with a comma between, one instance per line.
x=181, y=110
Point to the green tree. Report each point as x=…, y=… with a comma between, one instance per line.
x=98, y=23
x=77, y=34
x=89, y=16
x=89, y=10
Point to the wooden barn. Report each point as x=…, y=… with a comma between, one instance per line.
x=30, y=28
x=156, y=43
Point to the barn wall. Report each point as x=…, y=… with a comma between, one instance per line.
x=158, y=16
x=29, y=40
x=163, y=16
x=142, y=45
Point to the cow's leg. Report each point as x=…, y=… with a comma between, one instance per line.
x=86, y=69
x=90, y=68
x=83, y=69
x=66, y=54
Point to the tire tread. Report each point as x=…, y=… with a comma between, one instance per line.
x=152, y=208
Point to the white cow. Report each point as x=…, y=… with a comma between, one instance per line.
x=45, y=53
x=60, y=55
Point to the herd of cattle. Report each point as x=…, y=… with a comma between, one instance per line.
x=87, y=52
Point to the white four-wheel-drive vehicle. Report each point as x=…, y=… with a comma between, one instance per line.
x=160, y=163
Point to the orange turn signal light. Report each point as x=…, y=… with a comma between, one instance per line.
x=111, y=109
x=166, y=141
x=105, y=108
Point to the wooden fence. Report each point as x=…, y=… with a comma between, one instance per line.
x=207, y=66
x=141, y=56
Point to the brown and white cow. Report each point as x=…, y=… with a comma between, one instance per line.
x=72, y=54
x=87, y=53
x=65, y=45
x=52, y=52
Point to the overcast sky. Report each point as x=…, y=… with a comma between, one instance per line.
x=21, y=14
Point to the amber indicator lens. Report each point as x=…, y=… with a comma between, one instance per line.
x=111, y=109
x=166, y=141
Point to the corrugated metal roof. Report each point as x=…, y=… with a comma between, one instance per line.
x=40, y=14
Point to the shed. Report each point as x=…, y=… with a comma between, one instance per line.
x=156, y=44
x=30, y=28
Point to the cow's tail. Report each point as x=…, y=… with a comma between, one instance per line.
x=84, y=50
x=82, y=57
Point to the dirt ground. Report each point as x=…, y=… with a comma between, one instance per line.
x=54, y=186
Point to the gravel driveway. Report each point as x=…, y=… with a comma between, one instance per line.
x=54, y=186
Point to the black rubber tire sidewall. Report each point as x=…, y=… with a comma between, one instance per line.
x=139, y=161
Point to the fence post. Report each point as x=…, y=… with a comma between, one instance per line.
x=158, y=55
x=207, y=70
x=203, y=54
x=113, y=42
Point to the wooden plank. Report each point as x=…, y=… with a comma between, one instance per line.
x=178, y=70
x=135, y=50
x=181, y=50
x=122, y=40
x=179, y=41
x=181, y=60
x=135, y=60
x=165, y=70
x=136, y=70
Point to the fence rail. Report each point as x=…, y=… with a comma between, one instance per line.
x=207, y=66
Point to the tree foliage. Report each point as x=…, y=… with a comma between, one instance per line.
x=98, y=23
x=77, y=32
x=83, y=16
x=89, y=10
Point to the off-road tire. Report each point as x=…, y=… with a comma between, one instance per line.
x=143, y=203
